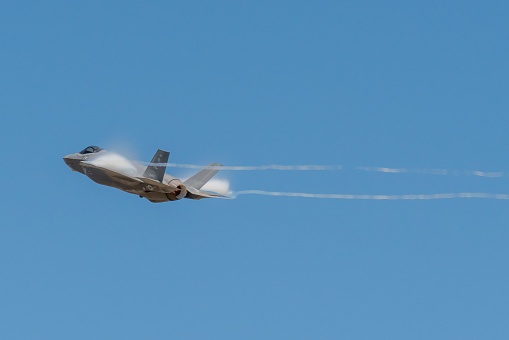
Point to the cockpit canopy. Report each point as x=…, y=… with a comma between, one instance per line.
x=90, y=149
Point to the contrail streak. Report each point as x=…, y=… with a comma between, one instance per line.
x=488, y=174
x=278, y=167
x=403, y=170
x=481, y=195
x=253, y=168
x=443, y=172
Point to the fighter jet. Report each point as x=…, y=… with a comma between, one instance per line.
x=150, y=182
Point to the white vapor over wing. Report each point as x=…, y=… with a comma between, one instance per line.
x=117, y=163
x=376, y=197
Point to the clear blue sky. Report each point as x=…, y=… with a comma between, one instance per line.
x=361, y=83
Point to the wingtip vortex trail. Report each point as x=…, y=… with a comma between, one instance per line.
x=258, y=167
x=439, y=196
x=387, y=170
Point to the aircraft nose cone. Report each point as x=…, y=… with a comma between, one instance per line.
x=72, y=162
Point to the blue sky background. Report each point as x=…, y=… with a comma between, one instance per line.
x=419, y=84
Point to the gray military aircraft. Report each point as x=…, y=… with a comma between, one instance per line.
x=151, y=182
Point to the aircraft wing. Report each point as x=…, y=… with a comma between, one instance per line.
x=154, y=185
x=151, y=185
x=127, y=180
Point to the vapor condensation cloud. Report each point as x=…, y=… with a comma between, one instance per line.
x=220, y=186
x=117, y=163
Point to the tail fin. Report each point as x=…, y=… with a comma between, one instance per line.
x=202, y=177
x=156, y=172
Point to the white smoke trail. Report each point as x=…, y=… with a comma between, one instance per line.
x=255, y=167
x=481, y=195
x=487, y=174
x=403, y=170
x=421, y=171
x=443, y=172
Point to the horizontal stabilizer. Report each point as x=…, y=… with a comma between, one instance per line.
x=198, y=181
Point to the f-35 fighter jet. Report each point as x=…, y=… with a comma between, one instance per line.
x=151, y=182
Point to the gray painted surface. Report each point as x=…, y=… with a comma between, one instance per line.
x=151, y=182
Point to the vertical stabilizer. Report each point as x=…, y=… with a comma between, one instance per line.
x=155, y=170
